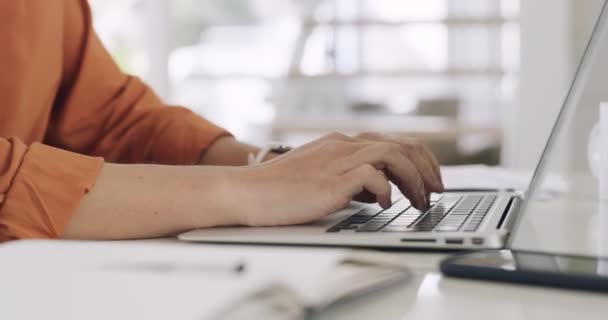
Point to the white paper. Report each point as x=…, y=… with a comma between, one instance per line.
x=96, y=280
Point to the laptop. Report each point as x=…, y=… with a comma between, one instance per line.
x=455, y=220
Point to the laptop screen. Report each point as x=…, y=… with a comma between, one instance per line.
x=566, y=206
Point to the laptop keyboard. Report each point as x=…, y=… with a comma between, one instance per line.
x=450, y=213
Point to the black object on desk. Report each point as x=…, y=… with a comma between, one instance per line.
x=526, y=267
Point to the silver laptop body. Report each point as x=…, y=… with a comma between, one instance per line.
x=363, y=225
x=455, y=221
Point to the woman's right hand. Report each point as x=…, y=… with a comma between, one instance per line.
x=312, y=181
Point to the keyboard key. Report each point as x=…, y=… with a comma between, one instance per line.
x=473, y=224
x=470, y=227
x=371, y=227
x=382, y=218
x=357, y=219
x=388, y=214
x=452, y=220
x=401, y=223
x=334, y=229
x=407, y=217
x=391, y=228
x=368, y=211
x=422, y=228
x=394, y=210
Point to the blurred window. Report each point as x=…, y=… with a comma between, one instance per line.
x=259, y=66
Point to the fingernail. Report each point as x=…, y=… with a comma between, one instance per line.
x=440, y=187
x=439, y=180
x=422, y=196
x=384, y=204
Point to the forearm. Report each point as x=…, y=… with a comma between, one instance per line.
x=143, y=201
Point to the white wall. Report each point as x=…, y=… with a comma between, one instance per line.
x=158, y=46
x=546, y=66
x=585, y=15
x=553, y=36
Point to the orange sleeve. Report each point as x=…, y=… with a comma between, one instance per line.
x=103, y=112
x=98, y=111
x=40, y=188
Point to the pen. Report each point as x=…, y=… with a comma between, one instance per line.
x=202, y=267
x=478, y=190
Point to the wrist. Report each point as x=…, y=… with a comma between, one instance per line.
x=267, y=153
x=248, y=185
x=217, y=205
x=227, y=151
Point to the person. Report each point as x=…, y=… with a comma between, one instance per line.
x=87, y=152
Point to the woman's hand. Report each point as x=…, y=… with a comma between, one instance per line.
x=323, y=176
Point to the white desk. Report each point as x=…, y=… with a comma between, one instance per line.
x=44, y=292
x=430, y=295
x=433, y=296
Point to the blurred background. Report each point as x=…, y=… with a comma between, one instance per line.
x=480, y=81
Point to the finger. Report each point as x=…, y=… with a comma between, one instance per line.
x=367, y=178
x=436, y=167
x=366, y=197
x=426, y=154
x=427, y=166
x=403, y=173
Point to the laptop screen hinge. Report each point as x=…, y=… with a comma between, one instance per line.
x=512, y=205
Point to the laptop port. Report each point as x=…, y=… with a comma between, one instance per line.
x=454, y=241
x=478, y=241
x=417, y=240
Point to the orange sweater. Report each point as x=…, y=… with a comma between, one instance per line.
x=64, y=104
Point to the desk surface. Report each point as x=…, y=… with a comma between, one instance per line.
x=430, y=295
x=40, y=283
x=433, y=296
